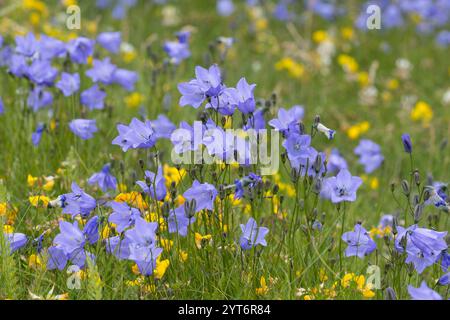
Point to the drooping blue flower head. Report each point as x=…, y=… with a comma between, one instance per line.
x=50, y=48
x=154, y=184
x=225, y=8
x=110, y=41
x=423, y=293
x=39, y=98
x=26, y=45
x=343, y=187
x=178, y=221
x=83, y=128
x=249, y=182
x=142, y=245
x=123, y=216
x=136, y=135
x=204, y=195
x=78, y=202
x=407, y=145
x=257, y=122
x=69, y=244
x=242, y=96
x=162, y=127
x=125, y=78
x=336, y=162
x=104, y=179
x=423, y=246
x=359, y=242
x=177, y=51
x=102, y=71
x=93, y=98
x=80, y=49
x=16, y=241
x=288, y=119
x=69, y=83
x=37, y=134
x=42, y=73
x=252, y=235
x=207, y=84
x=369, y=155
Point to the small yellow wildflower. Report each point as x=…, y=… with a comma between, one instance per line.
x=319, y=36
x=36, y=200
x=347, y=33
x=183, y=256
x=31, y=181
x=392, y=84
x=8, y=229
x=263, y=290
x=202, y=241
x=166, y=244
x=358, y=129
x=295, y=69
x=161, y=268
x=172, y=174
x=134, y=100
x=348, y=63
x=49, y=183
x=35, y=262
x=422, y=112
x=133, y=198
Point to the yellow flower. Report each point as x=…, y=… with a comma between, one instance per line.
x=358, y=129
x=134, y=100
x=202, y=241
x=294, y=69
x=35, y=19
x=348, y=277
x=172, y=174
x=263, y=290
x=261, y=24
x=161, y=268
x=367, y=292
x=35, y=5
x=166, y=244
x=320, y=36
x=308, y=297
x=8, y=229
x=106, y=232
x=31, y=181
x=49, y=183
x=322, y=275
x=392, y=84
x=183, y=256
x=133, y=198
x=348, y=63
x=422, y=111
x=347, y=33
x=363, y=78
x=135, y=269
x=35, y=200
x=374, y=183
x=35, y=262
x=68, y=3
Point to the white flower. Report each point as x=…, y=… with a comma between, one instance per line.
x=327, y=132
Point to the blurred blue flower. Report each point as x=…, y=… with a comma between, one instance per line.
x=83, y=128
x=104, y=179
x=110, y=41
x=37, y=134
x=423, y=293
x=125, y=78
x=123, y=216
x=102, y=71
x=69, y=83
x=204, y=195
x=80, y=49
x=369, y=155
x=39, y=98
x=93, y=98
x=288, y=119
x=78, y=202
x=343, y=187
x=423, y=246
x=16, y=241
x=336, y=162
x=137, y=135
x=154, y=184
x=252, y=235
x=359, y=242
x=26, y=45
